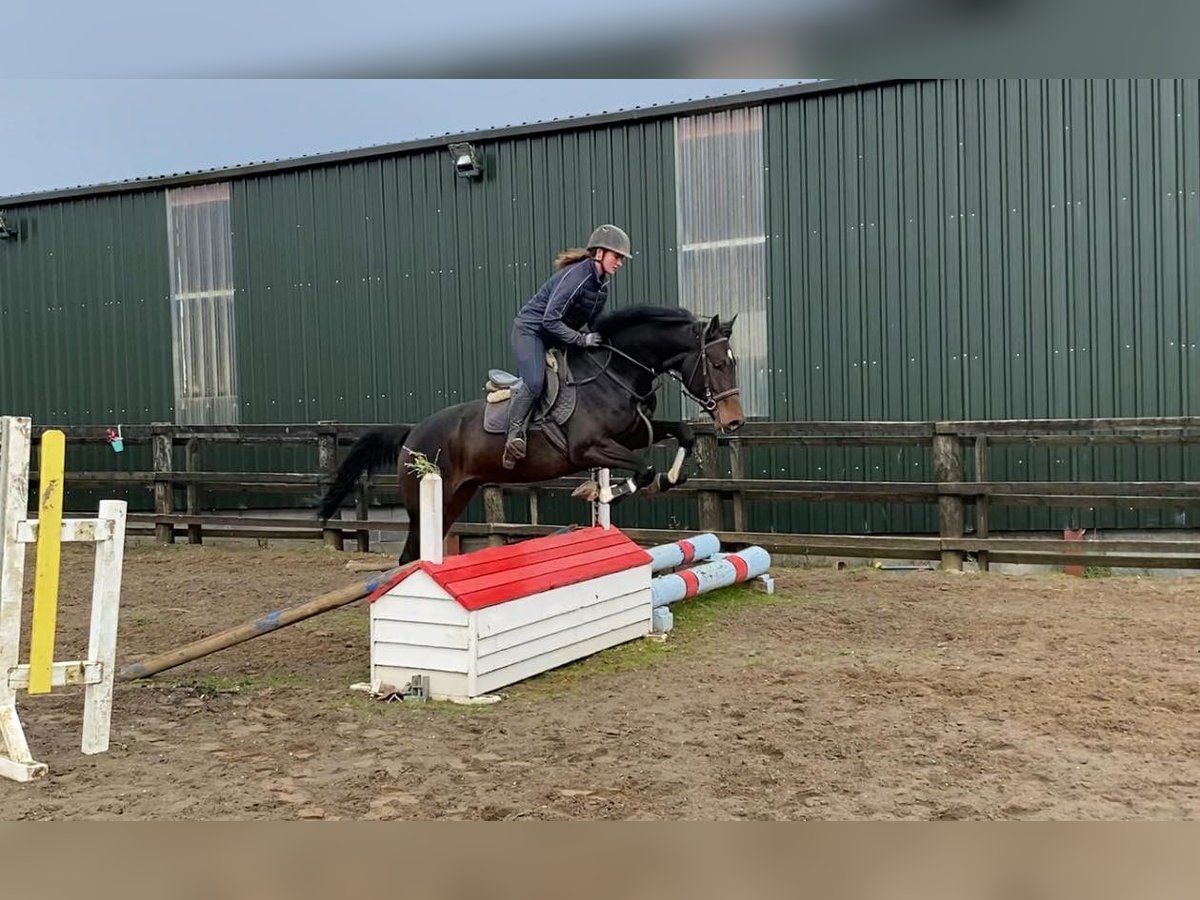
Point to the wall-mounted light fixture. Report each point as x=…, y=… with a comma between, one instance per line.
x=468, y=162
x=6, y=230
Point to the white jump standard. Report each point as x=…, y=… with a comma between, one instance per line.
x=42, y=673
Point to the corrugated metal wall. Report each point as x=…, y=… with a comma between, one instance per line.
x=984, y=249
x=85, y=324
x=383, y=290
x=85, y=313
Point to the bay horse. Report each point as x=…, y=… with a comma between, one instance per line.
x=615, y=397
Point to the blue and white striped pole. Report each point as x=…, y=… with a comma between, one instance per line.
x=683, y=552
x=732, y=568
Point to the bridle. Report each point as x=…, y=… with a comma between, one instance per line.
x=671, y=368
x=710, y=401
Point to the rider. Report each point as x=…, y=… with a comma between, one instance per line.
x=559, y=315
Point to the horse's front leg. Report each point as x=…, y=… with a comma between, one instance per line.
x=686, y=438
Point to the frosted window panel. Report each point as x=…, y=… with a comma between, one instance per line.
x=202, y=312
x=720, y=211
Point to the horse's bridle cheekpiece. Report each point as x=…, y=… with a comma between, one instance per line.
x=710, y=401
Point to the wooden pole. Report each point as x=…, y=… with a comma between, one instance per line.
x=272, y=621
x=432, y=546
x=102, y=635
x=16, y=761
x=51, y=463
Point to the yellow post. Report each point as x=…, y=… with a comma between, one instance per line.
x=49, y=551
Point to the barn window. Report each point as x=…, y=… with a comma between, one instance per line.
x=719, y=204
x=202, y=316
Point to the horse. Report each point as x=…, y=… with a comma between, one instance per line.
x=613, y=387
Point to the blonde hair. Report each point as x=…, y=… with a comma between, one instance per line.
x=567, y=257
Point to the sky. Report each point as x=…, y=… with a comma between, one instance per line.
x=135, y=88
x=58, y=133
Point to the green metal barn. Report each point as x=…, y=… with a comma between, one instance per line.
x=904, y=250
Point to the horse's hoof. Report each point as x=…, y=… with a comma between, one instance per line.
x=589, y=492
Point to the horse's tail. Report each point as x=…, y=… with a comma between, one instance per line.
x=374, y=448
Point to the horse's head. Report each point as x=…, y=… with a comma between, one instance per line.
x=709, y=373
x=695, y=351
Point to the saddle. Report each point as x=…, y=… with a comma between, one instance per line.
x=552, y=409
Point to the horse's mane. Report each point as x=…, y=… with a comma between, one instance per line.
x=619, y=320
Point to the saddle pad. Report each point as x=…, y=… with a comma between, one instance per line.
x=495, y=415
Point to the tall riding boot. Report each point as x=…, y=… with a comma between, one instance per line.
x=519, y=409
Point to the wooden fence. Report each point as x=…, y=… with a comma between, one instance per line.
x=955, y=447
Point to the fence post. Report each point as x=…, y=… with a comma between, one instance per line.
x=327, y=462
x=493, y=512
x=708, y=462
x=947, y=469
x=164, y=489
x=362, y=509
x=981, y=502
x=192, y=462
x=535, y=507
x=737, y=471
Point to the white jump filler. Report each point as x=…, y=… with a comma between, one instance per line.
x=465, y=626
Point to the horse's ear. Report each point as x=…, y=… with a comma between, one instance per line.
x=714, y=326
x=727, y=329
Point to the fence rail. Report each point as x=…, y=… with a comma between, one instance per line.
x=955, y=447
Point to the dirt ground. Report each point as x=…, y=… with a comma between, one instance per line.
x=857, y=694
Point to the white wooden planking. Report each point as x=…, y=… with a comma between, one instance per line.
x=15, y=443
x=419, y=585
x=392, y=631
x=536, y=607
x=20, y=770
x=587, y=631
x=102, y=642
x=419, y=609
x=77, y=530
x=414, y=656
x=62, y=674
x=563, y=655
x=555, y=624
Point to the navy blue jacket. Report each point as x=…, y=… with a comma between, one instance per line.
x=566, y=304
